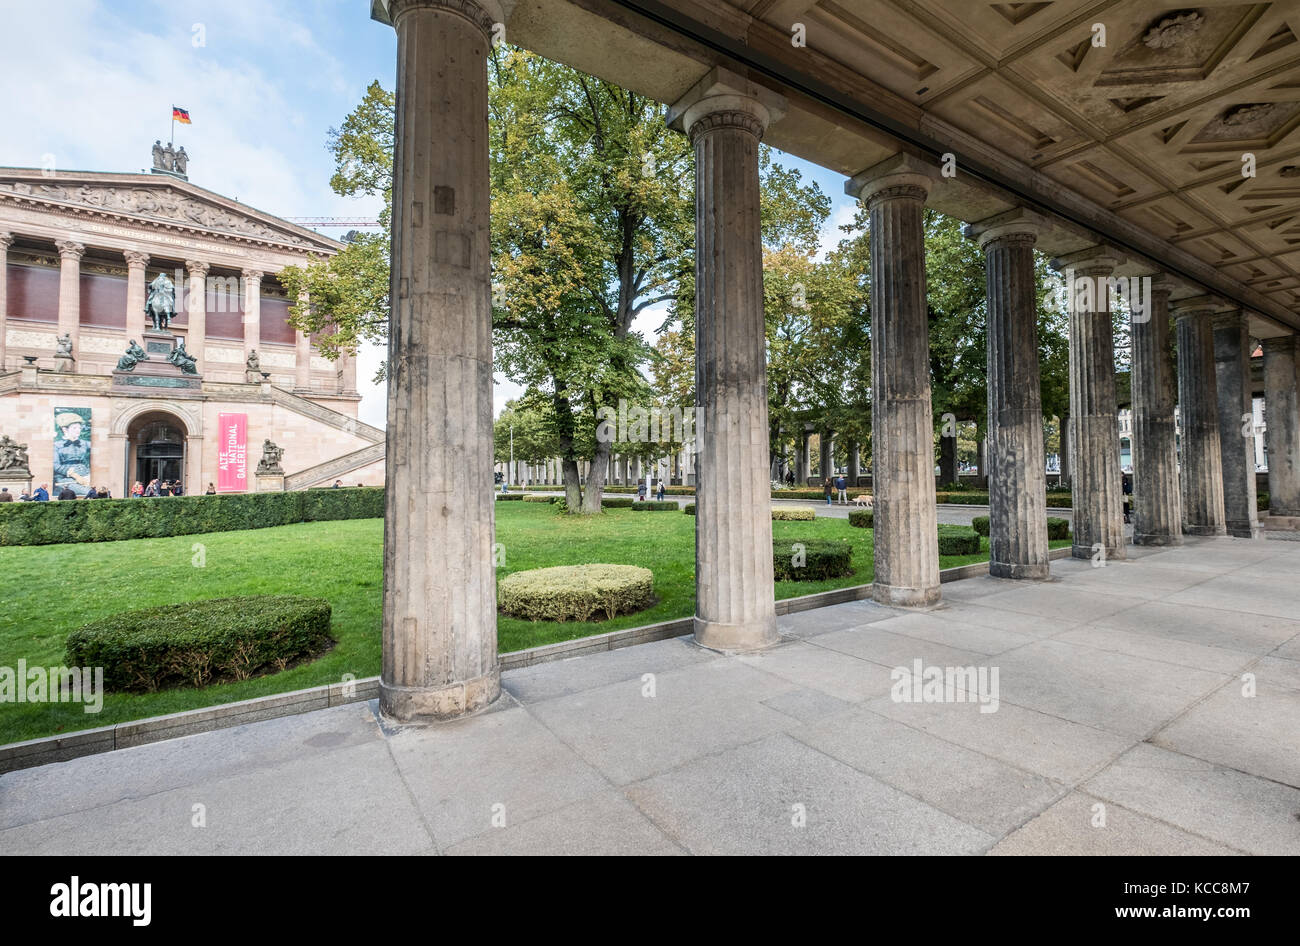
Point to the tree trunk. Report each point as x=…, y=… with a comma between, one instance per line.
x=595, y=486
x=948, y=459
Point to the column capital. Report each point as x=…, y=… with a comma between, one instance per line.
x=69, y=249
x=1162, y=283
x=1229, y=317
x=1093, y=261
x=725, y=99
x=482, y=13
x=197, y=268
x=1279, y=345
x=1195, y=306
x=6, y=241
x=251, y=275
x=1017, y=226
x=902, y=176
x=134, y=258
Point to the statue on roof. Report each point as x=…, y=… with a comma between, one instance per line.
x=182, y=160
x=158, y=156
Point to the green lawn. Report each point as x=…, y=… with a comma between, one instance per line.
x=50, y=590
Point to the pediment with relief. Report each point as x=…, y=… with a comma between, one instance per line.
x=156, y=203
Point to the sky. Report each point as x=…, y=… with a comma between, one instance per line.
x=90, y=84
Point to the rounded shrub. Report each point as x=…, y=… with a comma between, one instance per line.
x=1058, y=528
x=506, y=497
x=980, y=524
x=576, y=592
x=862, y=518
x=689, y=509
x=791, y=514
x=202, y=642
x=811, y=559
x=655, y=505
x=959, y=543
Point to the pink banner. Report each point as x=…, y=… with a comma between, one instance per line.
x=232, y=453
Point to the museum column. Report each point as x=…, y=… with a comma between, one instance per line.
x=439, y=603
x=70, y=254
x=902, y=421
x=735, y=607
x=6, y=241
x=136, y=264
x=1017, y=465
x=1157, y=504
x=196, y=307
x=1098, y=496
x=252, y=311
x=1282, y=425
x=1201, y=468
x=302, y=352
x=1236, y=422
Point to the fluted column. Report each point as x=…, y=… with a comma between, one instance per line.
x=826, y=449
x=252, y=310
x=197, y=308
x=1157, y=502
x=735, y=607
x=439, y=603
x=6, y=241
x=902, y=423
x=70, y=254
x=855, y=462
x=1098, y=498
x=801, y=459
x=1202, y=465
x=1017, y=465
x=136, y=264
x=302, y=351
x=1282, y=425
x=1236, y=422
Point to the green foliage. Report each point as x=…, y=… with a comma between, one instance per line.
x=1057, y=528
x=201, y=642
x=862, y=518
x=789, y=514
x=803, y=559
x=508, y=497
x=654, y=505
x=110, y=520
x=981, y=525
x=618, y=502
x=959, y=543
x=529, y=498
x=689, y=509
x=576, y=592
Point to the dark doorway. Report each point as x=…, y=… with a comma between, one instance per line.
x=157, y=450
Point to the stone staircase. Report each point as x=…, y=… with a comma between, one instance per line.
x=334, y=469
x=325, y=415
x=331, y=469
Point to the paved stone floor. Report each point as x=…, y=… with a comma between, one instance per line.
x=1122, y=728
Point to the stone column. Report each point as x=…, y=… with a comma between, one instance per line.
x=855, y=462
x=197, y=307
x=136, y=264
x=1017, y=464
x=439, y=611
x=1201, y=466
x=1157, y=502
x=1236, y=423
x=6, y=241
x=301, y=361
x=902, y=422
x=735, y=607
x=1283, y=425
x=801, y=460
x=1065, y=434
x=252, y=311
x=1098, y=491
x=347, y=373
x=826, y=460
x=70, y=254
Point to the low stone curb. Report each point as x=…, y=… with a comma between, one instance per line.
x=34, y=752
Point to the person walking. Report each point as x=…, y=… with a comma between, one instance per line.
x=842, y=485
x=827, y=487
x=66, y=493
x=640, y=491
x=5, y=495
x=42, y=494
x=660, y=494
x=1128, y=495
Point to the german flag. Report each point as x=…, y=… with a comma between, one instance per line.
x=180, y=115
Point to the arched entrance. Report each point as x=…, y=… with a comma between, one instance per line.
x=155, y=448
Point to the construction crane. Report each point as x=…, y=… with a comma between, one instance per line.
x=332, y=221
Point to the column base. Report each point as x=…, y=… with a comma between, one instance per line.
x=1086, y=552
x=1243, y=530
x=416, y=704
x=897, y=596
x=1035, y=572
x=1157, y=539
x=1189, y=529
x=736, y=638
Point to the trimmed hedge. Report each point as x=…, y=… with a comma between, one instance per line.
x=817, y=493
x=862, y=518
x=1055, y=498
x=958, y=543
x=981, y=525
x=539, y=499
x=670, y=490
x=109, y=520
x=655, y=505
x=811, y=559
x=689, y=509
x=576, y=592
x=1058, y=528
x=786, y=514
x=202, y=642
x=507, y=497
x=617, y=502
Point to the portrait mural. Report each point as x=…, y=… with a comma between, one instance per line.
x=72, y=449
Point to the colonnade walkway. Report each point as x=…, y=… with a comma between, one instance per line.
x=1123, y=726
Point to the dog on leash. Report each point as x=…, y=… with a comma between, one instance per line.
x=862, y=500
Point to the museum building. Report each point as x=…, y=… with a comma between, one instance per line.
x=189, y=394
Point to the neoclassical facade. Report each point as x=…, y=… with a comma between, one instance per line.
x=77, y=253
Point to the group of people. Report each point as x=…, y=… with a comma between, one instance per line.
x=840, y=486
x=42, y=494
x=157, y=488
